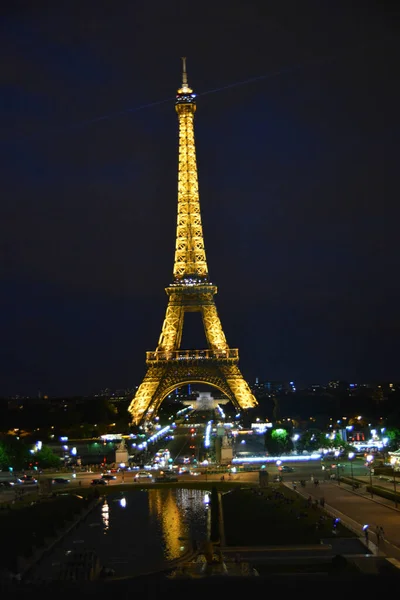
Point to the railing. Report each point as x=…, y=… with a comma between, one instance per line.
x=195, y=355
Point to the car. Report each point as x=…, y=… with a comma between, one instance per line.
x=7, y=484
x=98, y=482
x=142, y=475
x=28, y=480
x=108, y=477
x=60, y=480
x=287, y=469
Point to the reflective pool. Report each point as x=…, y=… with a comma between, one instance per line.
x=136, y=532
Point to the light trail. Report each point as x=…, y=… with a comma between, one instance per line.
x=158, y=434
x=268, y=459
x=207, y=435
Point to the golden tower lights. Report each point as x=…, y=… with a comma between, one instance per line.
x=191, y=291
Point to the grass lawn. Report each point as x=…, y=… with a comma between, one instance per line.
x=29, y=526
x=18, y=503
x=275, y=516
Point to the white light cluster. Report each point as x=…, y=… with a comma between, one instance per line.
x=221, y=412
x=207, y=435
x=371, y=444
x=110, y=437
x=184, y=409
x=260, y=428
x=158, y=434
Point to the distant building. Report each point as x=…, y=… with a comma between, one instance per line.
x=205, y=401
x=272, y=387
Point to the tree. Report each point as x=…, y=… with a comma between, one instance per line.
x=4, y=458
x=278, y=441
x=360, y=423
x=311, y=441
x=13, y=453
x=393, y=433
x=98, y=411
x=46, y=459
x=337, y=441
x=276, y=410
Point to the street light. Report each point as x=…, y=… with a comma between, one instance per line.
x=393, y=462
x=351, y=456
x=337, y=453
x=370, y=458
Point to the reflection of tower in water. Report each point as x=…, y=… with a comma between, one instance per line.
x=105, y=516
x=163, y=506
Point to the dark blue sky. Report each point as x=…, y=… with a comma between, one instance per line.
x=298, y=186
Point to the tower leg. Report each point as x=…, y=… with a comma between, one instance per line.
x=212, y=326
x=239, y=387
x=171, y=333
x=141, y=403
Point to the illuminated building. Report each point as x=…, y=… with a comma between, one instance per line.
x=191, y=291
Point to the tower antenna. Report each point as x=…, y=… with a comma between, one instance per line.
x=184, y=74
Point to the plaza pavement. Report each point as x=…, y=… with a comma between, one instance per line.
x=356, y=509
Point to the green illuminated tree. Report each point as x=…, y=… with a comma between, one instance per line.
x=13, y=453
x=278, y=441
x=4, y=458
x=393, y=433
x=45, y=458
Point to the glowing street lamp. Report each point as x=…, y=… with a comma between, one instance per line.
x=393, y=463
x=351, y=455
x=337, y=454
x=370, y=458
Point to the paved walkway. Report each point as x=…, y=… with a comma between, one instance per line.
x=358, y=509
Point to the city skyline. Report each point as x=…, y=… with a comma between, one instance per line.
x=297, y=185
x=286, y=385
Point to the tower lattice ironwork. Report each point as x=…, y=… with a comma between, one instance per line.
x=191, y=291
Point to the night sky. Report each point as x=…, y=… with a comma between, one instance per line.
x=298, y=173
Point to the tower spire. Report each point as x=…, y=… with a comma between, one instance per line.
x=184, y=74
x=190, y=257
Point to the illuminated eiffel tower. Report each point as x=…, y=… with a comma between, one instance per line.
x=191, y=291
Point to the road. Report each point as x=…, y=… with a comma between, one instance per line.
x=179, y=447
x=85, y=479
x=192, y=445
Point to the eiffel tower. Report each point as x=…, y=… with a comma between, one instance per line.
x=191, y=291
